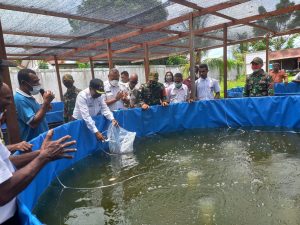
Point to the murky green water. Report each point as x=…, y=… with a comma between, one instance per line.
x=214, y=176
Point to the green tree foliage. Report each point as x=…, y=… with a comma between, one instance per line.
x=43, y=65
x=82, y=65
x=218, y=63
x=117, y=10
x=177, y=60
x=277, y=24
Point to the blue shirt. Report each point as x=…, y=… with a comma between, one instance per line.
x=27, y=107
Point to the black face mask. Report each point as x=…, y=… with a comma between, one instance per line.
x=153, y=82
x=96, y=95
x=68, y=84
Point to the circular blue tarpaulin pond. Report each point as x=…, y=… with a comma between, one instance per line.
x=278, y=112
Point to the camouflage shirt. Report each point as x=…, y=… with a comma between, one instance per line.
x=134, y=97
x=69, y=102
x=258, y=84
x=153, y=94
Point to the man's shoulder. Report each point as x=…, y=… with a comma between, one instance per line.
x=18, y=98
x=145, y=85
x=185, y=86
x=161, y=85
x=84, y=92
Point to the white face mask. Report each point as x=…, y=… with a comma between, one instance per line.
x=114, y=83
x=36, y=90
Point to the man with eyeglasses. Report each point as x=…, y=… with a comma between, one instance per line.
x=259, y=83
x=31, y=115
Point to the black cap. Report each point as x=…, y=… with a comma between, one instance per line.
x=97, y=85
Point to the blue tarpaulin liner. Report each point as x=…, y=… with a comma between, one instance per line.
x=279, y=89
x=56, y=114
x=277, y=111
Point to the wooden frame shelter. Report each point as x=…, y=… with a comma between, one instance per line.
x=155, y=29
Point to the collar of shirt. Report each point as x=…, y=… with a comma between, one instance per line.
x=175, y=88
x=23, y=93
x=201, y=79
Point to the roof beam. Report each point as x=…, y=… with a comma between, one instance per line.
x=156, y=27
x=26, y=46
x=252, y=39
x=68, y=37
x=62, y=15
x=216, y=27
x=195, y=6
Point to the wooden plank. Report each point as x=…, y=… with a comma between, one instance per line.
x=146, y=61
x=11, y=120
x=109, y=55
x=92, y=68
x=26, y=46
x=58, y=78
x=267, y=52
x=225, y=60
x=192, y=57
x=52, y=36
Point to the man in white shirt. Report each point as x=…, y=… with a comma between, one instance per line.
x=206, y=88
x=90, y=102
x=297, y=78
x=178, y=92
x=13, y=181
x=115, y=92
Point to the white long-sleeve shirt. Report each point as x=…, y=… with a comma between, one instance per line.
x=205, y=88
x=176, y=95
x=111, y=93
x=86, y=107
x=6, y=172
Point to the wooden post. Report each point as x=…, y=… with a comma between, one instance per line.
x=192, y=58
x=146, y=61
x=198, y=58
x=225, y=59
x=267, y=52
x=58, y=78
x=92, y=68
x=109, y=54
x=11, y=120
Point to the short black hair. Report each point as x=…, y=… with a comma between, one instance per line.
x=203, y=66
x=178, y=75
x=125, y=73
x=196, y=68
x=23, y=75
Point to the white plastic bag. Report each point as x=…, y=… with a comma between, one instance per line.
x=120, y=140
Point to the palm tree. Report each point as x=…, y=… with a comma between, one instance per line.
x=217, y=63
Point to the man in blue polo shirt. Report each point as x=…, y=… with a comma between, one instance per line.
x=31, y=115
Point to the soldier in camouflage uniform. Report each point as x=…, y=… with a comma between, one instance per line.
x=153, y=92
x=259, y=83
x=69, y=98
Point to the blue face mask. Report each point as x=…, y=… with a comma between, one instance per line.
x=178, y=85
